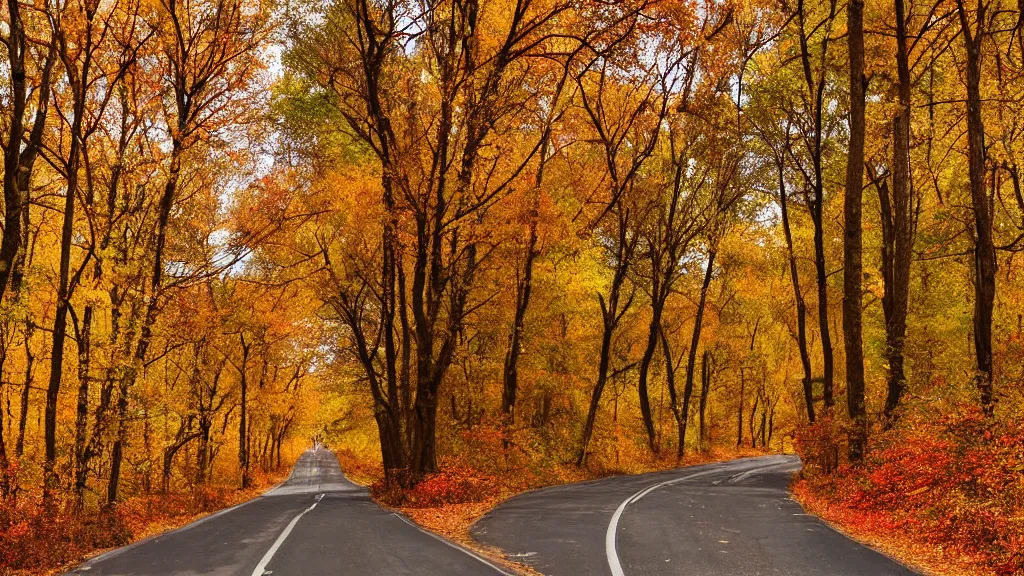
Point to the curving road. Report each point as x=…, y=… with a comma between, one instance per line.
x=316, y=523
x=726, y=519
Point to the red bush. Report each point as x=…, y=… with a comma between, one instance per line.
x=957, y=484
x=456, y=483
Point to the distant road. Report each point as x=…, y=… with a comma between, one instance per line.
x=727, y=519
x=316, y=523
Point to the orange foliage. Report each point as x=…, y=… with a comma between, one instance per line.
x=36, y=542
x=947, y=492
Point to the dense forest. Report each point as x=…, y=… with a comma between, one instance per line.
x=529, y=239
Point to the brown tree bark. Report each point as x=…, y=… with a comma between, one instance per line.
x=798, y=297
x=524, y=288
x=984, y=245
x=853, y=232
x=26, y=388
x=83, y=338
x=14, y=195
x=612, y=311
x=897, y=228
x=243, y=419
x=706, y=364
x=691, y=361
x=78, y=76
x=739, y=413
x=815, y=99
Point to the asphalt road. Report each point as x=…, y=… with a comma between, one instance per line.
x=727, y=519
x=316, y=523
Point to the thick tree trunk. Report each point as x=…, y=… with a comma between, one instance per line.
x=897, y=245
x=13, y=196
x=27, y=165
x=117, y=452
x=852, y=236
x=984, y=246
x=5, y=479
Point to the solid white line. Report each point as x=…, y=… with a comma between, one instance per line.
x=613, y=526
x=448, y=542
x=262, y=566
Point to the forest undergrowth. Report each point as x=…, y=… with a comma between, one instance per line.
x=942, y=494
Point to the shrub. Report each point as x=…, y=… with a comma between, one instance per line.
x=956, y=483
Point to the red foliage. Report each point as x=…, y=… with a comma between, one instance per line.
x=456, y=483
x=33, y=541
x=956, y=485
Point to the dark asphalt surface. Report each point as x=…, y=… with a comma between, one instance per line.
x=726, y=519
x=335, y=530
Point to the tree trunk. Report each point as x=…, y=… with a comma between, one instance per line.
x=897, y=220
x=739, y=413
x=694, y=343
x=984, y=246
x=801, y=307
x=510, y=374
x=64, y=289
x=19, y=447
x=657, y=305
x=823, y=325
x=750, y=421
x=705, y=385
x=243, y=432
x=13, y=196
x=84, y=341
x=852, y=237
x=610, y=315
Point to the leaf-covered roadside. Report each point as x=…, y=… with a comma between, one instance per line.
x=449, y=502
x=37, y=543
x=944, y=494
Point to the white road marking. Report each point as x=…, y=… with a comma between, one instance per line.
x=752, y=471
x=609, y=536
x=613, y=526
x=261, y=568
x=448, y=542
